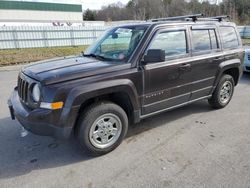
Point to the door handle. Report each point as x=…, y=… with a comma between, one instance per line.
x=185, y=66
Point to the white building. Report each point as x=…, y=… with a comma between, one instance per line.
x=26, y=11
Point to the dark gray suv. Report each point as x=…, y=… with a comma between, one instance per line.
x=130, y=73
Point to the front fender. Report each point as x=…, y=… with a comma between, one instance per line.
x=80, y=94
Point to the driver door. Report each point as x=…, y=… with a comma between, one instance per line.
x=168, y=84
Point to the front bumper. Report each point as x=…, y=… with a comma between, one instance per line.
x=38, y=121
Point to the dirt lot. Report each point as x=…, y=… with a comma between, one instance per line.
x=193, y=146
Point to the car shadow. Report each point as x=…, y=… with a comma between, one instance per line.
x=22, y=155
x=167, y=117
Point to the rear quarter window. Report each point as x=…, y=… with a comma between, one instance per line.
x=229, y=37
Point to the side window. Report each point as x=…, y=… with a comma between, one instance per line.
x=173, y=42
x=204, y=40
x=229, y=37
x=213, y=38
x=201, y=40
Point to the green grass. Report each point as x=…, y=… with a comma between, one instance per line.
x=21, y=56
x=246, y=41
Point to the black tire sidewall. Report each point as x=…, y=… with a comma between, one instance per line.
x=87, y=119
x=215, y=100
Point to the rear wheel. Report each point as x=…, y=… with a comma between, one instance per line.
x=102, y=127
x=223, y=92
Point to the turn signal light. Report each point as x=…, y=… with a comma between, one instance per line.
x=53, y=106
x=56, y=105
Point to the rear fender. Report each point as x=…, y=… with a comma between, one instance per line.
x=227, y=65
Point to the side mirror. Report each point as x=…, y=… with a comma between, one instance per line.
x=154, y=56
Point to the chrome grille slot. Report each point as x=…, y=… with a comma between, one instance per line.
x=249, y=57
x=23, y=89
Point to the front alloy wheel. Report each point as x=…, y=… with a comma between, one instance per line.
x=105, y=131
x=102, y=127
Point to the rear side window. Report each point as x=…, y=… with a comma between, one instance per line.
x=214, y=41
x=173, y=42
x=204, y=40
x=229, y=37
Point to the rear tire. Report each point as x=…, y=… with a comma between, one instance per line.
x=223, y=93
x=102, y=127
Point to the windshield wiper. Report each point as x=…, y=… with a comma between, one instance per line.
x=95, y=56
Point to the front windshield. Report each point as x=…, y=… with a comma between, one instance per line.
x=117, y=44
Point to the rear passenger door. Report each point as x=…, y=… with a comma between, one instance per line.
x=206, y=57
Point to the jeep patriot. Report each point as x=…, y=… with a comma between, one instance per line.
x=130, y=73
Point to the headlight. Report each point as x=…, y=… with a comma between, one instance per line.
x=36, y=94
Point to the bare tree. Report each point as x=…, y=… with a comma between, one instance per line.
x=239, y=10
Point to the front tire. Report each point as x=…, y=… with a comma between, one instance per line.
x=223, y=92
x=102, y=127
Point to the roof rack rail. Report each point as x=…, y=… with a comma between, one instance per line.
x=216, y=18
x=194, y=17
x=219, y=18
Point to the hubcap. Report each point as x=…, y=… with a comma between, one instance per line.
x=105, y=131
x=226, y=92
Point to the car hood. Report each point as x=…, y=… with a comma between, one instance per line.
x=67, y=68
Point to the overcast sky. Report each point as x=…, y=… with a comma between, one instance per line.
x=97, y=4
x=91, y=4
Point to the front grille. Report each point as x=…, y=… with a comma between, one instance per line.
x=249, y=57
x=23, y=87
x=247, y=68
